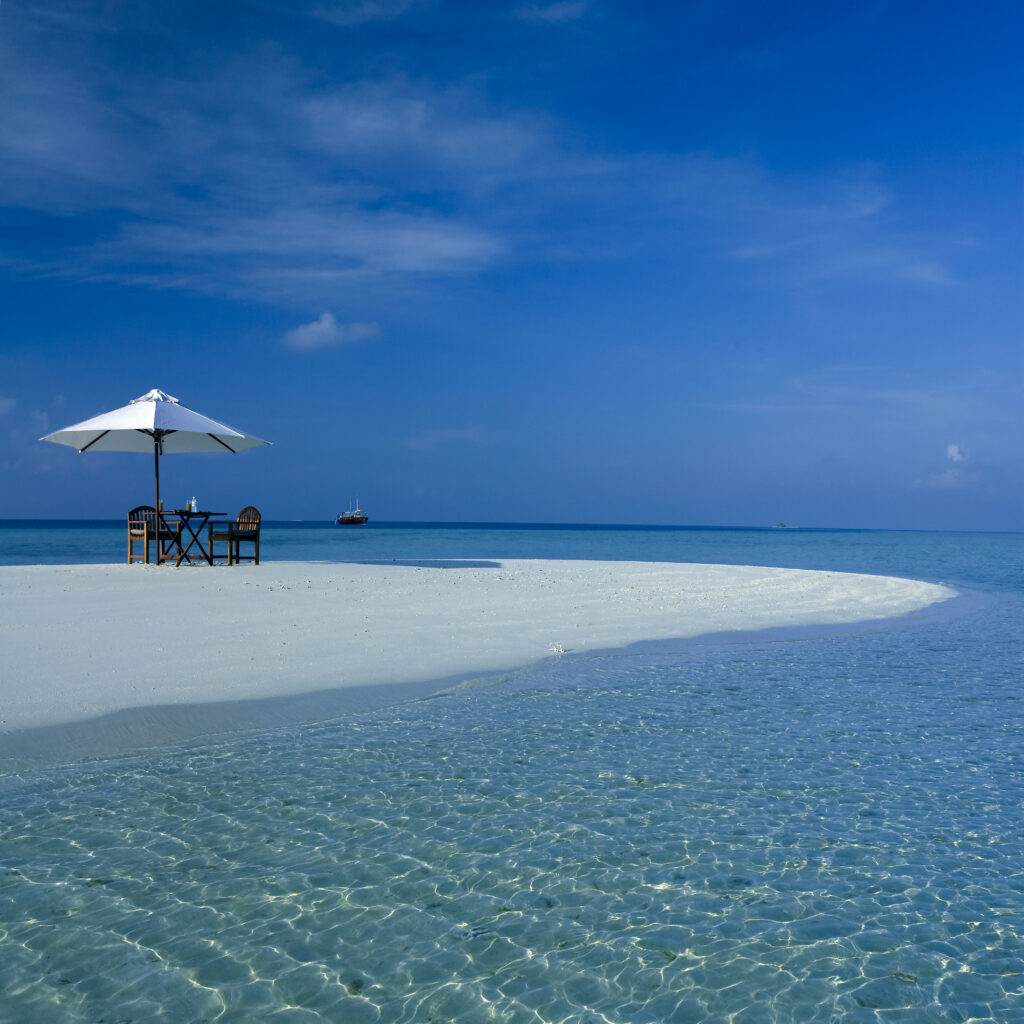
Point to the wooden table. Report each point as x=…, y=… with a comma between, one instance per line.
x=192, y=526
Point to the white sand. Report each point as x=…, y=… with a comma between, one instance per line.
x=81, y=641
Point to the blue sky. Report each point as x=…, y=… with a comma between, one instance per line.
x=718, y=262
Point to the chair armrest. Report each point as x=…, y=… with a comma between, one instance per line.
x=170, y=528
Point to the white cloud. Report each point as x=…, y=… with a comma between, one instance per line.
x=326, y=332
x=438, y=436
x=953, y=476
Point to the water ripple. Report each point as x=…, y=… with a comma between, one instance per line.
x=810, y=831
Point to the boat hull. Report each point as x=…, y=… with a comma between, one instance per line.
x=350, y=519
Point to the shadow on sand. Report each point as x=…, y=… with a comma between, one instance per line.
x=426, y=563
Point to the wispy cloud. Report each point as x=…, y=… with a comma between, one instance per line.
x=849, y=392
x=7, y=405
x=438, y=437
x=194, y=183
x=414, y=135
x=358, y=12
x=781, y=229
x=833, y=227
x=296, y=191
x=327, y=332
x=845, y=388
x=553, y=13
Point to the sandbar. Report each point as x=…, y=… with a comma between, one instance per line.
x=80, y=642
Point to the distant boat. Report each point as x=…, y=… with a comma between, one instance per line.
x=353, y=517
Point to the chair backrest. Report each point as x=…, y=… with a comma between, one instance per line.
x=144, y=512
x=249, y=519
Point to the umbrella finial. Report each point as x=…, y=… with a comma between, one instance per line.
x=156, y=395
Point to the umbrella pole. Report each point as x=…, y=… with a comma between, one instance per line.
x=159, y=518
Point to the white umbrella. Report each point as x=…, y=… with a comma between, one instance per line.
x=155, y=422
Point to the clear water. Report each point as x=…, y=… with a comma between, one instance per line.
x=747, y=830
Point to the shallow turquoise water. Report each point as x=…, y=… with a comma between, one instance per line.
x=823, y=827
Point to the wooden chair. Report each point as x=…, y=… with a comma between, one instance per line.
x=245, y=528
x=142, y=529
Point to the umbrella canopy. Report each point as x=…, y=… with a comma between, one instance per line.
x=154, y=422
x=153, y=418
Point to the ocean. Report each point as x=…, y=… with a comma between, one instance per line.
x=821, y=825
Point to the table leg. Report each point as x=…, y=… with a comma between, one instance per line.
x=195, y=542
x=163, y=528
